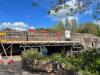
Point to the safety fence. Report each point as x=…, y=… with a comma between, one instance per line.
x=30, y=36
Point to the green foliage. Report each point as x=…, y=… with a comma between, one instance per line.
x=60, y=27
x=51, y=30
x=90, y=61
x=32, y=54
x=85, y=72
x=71, y=24
x=90, y=28
x=74, y=27
x=67, y=25
x=86, y=63
x=59, y=57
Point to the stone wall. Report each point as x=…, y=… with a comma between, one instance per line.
x=46, y=66
x=87, y=40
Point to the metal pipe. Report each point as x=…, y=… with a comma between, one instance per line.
x=7, y=48
x=4, y=50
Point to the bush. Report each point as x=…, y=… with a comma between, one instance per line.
x=86, y=63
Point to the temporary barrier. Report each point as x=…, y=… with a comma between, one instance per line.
x=10, y=59
x=5, y=51
x=1, y=61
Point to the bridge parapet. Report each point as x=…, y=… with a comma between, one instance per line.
x=87, y=40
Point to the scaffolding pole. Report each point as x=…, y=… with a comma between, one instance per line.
x=4, y=50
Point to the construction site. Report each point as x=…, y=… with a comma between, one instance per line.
x=16, y=41
x=49, y=37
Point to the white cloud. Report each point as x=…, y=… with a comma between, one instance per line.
x=88, y=12
x=32, y=27
x=5, y=25
x=22, y=29
x=20, y=25
x=16, y=25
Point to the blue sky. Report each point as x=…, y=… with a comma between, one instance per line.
x=22, y=11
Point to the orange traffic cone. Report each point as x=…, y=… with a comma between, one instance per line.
x=1, y=61
x=10, y=59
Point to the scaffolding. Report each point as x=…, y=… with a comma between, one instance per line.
x=42, y=39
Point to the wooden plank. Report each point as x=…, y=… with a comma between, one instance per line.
x=42, y=42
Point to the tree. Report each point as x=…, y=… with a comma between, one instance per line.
x=90, y=28
x=51, y=30
x=71, y=24
x=74, y=23
x=82, y=8
x=71, y=7
x=67, y=27
x=59, y=27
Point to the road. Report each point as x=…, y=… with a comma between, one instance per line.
x=16, y=68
